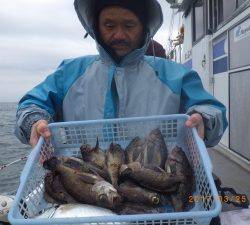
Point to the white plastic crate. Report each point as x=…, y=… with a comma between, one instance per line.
x=69, y=136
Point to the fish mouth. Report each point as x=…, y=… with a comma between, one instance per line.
x=111, y=202
x=116, y=201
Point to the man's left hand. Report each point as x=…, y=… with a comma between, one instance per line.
x=196, y=120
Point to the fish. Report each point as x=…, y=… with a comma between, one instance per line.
x=84, y=187
x=155, y=151
x=134, y=150
x=179, y=165
x=114, y=159
x=134, y=193
x=74, y=210
x=94, y=155
x=81, y=210
x=151, y=151
x=153, y=178
x=80, y=165
x=130, y=208
x=54, y=190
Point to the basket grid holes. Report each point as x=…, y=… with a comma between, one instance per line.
x=23, y=208
x=188, y=221
x=202, y=182
x=114, y=132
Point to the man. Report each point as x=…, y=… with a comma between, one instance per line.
x=120, y=81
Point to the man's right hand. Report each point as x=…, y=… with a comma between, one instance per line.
x=40, y=128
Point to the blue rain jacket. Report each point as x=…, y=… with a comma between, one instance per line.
x=81, y=88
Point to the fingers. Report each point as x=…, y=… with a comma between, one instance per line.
x=40, y=128
x=196, y=120
x=43, y=129
x=201, y=131
x=33, y=137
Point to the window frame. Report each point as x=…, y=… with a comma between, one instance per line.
x=194, y=40
x=221, y=21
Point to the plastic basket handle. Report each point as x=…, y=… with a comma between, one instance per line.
x=30, y=159
x=204, y=155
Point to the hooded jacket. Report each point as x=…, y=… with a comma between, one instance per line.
x=81, y=88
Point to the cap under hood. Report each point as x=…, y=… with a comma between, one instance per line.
x=86, y=12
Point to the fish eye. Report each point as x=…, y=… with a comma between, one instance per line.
x=103, y=198
x=155, y=200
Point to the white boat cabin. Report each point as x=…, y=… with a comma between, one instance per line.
x=216, y=44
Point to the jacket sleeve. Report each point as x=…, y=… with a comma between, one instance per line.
x=195, y=99
x=42, y=102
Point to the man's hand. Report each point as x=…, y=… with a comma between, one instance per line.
x=40, y=128
x=196, y=120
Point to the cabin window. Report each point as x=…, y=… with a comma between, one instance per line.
x=215, y=12
x=228, y=8
x=198, y=20
x=221, y=10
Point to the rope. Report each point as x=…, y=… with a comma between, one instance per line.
x=171, y=25
x=11, y=163
x=170, y=46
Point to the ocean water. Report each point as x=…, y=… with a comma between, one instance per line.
x=10, y=149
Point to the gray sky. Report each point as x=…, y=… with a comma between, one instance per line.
x=36, y=35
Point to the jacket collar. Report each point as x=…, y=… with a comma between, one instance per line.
x=130, y=59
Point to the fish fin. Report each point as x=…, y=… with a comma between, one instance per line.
x=111, y=148
x=96, y=149
x=85, y=148
x=94, y=172
x=139, y=159
x=155, y=168
x=87, y=178
x=114, y=147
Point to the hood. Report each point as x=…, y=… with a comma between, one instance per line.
x=85, y=10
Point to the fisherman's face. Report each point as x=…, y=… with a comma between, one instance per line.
x=120, y=29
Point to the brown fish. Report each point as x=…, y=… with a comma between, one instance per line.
x=114, y=159
x=94, y=155
x=134, y=193
x=129, y=208
x=153, y=178
x=155, y=151
x=55, y=190
x=134, y=150
x=85, y=187
x=178, y=164
x=80, y=165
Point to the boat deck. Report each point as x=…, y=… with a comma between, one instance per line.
x=231, y=175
